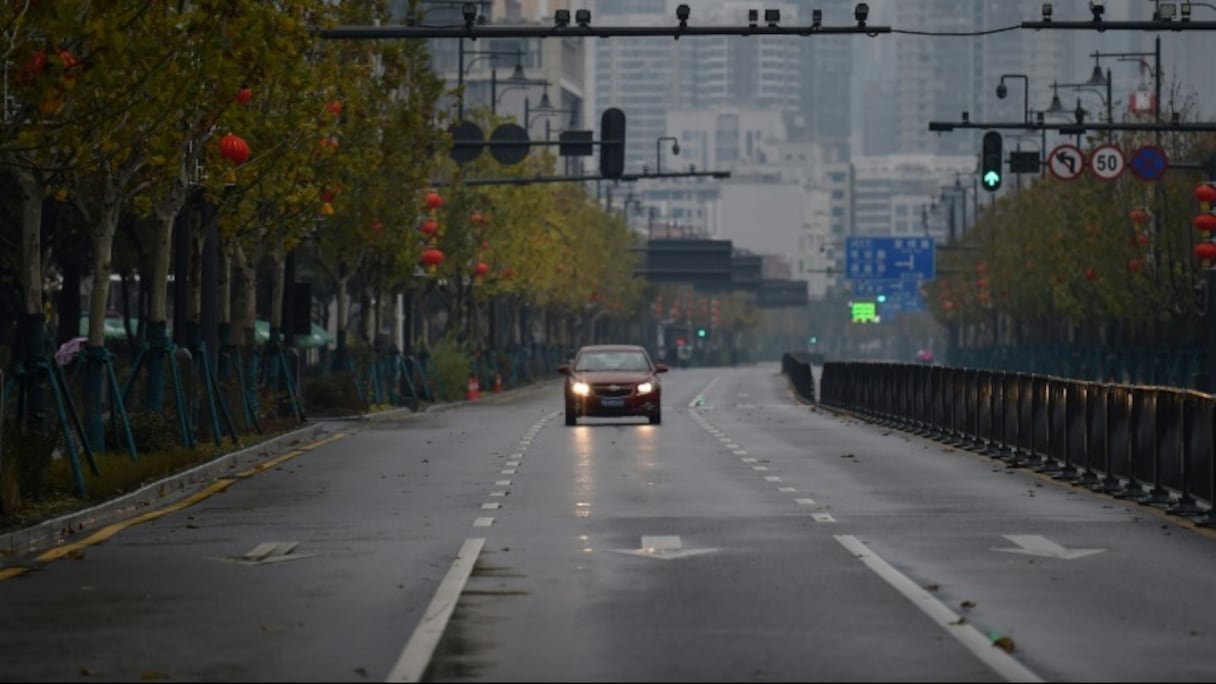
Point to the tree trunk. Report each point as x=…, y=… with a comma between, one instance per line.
x=103, y=243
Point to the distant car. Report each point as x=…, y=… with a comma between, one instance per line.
x=607, y=381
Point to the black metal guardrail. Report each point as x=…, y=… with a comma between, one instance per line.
x=797, y=367
x=1152, y=445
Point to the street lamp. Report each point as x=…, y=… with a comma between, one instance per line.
x=658, y=152
x=545, y=108
x=1002, y=91
x=517, y=76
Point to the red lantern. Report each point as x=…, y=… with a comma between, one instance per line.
x=334, y=107
x=485, y=244
x=244, y=95
x=377, y=226
x=1142, y=239
x=1206, y=192
x=433, y=200
x=1138, y=216
x=327, y=195
x=431, y=256
x=429, y=226
x=1090, y=274
x=234, y=148
x=477, y=218
x=68, y=62
x=33, y=66
x=482, y=268
x=1205, y=251
x=1134, y=265
x=981, y=283
x=1205, y=222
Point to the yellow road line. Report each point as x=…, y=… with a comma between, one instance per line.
x=210, y=490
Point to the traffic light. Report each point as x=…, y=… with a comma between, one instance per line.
x=991, y=162
x=612, y=143
x=700, y=332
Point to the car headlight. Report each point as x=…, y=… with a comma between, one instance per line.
x=645, y=388
x=581, y=388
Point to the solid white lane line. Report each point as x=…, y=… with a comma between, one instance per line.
x=1000, y=661
x=418, y=650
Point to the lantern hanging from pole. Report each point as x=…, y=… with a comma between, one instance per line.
x=244, y=95
x=1205, y=222
x=482, y=268
x=431, y=256
x=478, y=218
x=433, y=200
x=1205, y=251
x=508, y=273
x=1206, y=192
x=1138, y=216
x=334, y=107
x=428, y=226
x=234, y=148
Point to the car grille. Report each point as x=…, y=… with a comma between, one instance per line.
x=611, y=391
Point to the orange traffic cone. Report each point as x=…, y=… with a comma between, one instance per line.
x=473, y=389
x=497, y=383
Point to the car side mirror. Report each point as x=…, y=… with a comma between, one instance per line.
x=661, y=368
x=564, y=369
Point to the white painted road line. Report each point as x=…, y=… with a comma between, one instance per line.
x=491, y=506
x=749, y=460
x=483, y=522
x=1001, y=662
x=760, y=468
x=805, y=502
x=498, y=493
x=503, y=483
x=418, y=650
x=823, y=517
x=700, y=397
x=787, y=490
x=508, y=471
x=772, y=478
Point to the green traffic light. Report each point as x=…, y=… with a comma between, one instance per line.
x=700, y=332
x=882, y=299
x=992, y=179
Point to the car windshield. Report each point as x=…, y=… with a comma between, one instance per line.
x=612, y=361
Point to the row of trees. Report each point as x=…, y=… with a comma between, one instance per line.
x=121, y=120
x=1089, y=263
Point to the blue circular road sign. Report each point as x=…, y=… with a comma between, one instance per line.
x=1149, y=163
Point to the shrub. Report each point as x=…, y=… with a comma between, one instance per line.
x=332, y=393
x=451, y=363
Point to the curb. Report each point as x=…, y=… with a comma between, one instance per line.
x=51, y=533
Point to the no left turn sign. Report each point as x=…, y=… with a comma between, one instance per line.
x=1107, y=162
x=1066, y=162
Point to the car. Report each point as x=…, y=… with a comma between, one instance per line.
x=613, y=380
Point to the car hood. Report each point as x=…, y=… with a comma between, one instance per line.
x=614, y=377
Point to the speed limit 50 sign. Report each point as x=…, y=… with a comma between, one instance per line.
x=1107, y=162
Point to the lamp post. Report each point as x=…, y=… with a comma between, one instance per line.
x=1138, y=57
x=545, y=108
x=658, y=152
x=472, y=12
x=1002, y=91
x=517, y=76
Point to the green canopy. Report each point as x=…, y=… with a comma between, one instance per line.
x=318, y=337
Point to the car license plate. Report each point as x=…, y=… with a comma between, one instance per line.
x=612, y=403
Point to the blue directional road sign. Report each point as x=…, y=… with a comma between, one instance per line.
x=1149, y=163
x=895, y=296
x=890, y=258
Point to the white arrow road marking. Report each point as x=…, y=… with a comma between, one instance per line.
x=268, y=552
x=418, y=650
x=1035, y=545
x=999, y=661
x=666, y=547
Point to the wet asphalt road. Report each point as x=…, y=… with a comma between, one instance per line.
x=747, y=538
